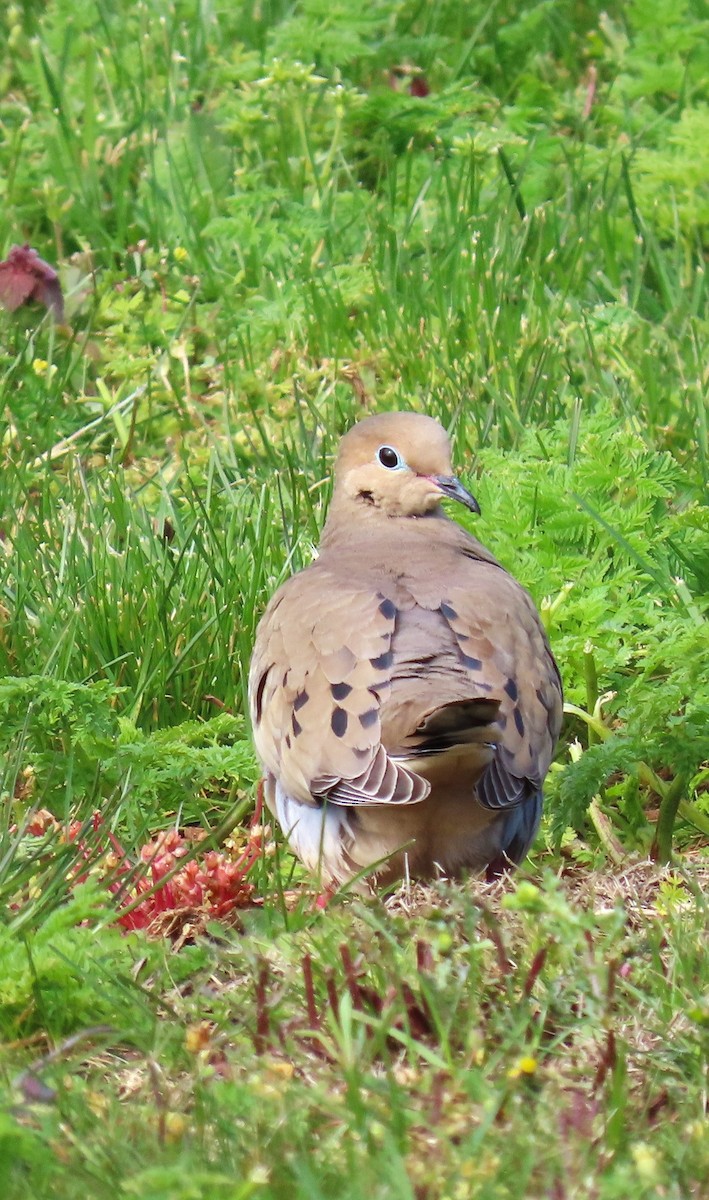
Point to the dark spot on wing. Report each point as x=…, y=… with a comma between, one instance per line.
x=473, y=664
x=519, y=723
x=287, y=740
x=300, y=700
x=383, y=661
x=259, y=694
x=297, y=727
x=511, y=689
x=340, y=691
x=388, y=609
x=449, y=612
x=368, y=718
x=338, y=722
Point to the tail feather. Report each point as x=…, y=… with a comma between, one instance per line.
x=455, y=724
x=518, y=831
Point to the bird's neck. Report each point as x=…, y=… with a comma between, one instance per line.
x=349, y=520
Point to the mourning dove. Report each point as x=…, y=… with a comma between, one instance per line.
x=404, y=700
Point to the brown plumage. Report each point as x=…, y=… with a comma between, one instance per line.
x=404, y=699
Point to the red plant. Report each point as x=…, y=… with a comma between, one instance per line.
x=212, y=884
x=24, y=276
x=208, y=886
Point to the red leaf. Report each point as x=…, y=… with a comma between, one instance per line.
x=312, y=1007
x=263, y=1024
x=424, y=956
x=607, y=1060
x=537, y=964
x=24, y=276
x=419, y=87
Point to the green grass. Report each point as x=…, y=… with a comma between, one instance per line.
x=262, y=234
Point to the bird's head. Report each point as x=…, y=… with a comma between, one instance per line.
x=397, y=464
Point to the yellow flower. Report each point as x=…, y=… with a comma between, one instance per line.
x=41, y=367
x=646, y=1162
x=180, y=253
x=524, y=1066
x=281, y=1070
x=198, y=1037
x=175, y=1127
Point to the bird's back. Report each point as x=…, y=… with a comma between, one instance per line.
x=404, y=698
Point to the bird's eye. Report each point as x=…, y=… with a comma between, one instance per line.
x=388, y=457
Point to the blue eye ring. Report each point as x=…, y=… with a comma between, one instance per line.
x=388, y=457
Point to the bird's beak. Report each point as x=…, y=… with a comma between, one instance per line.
x=453, y=488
